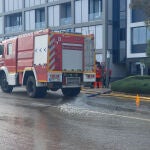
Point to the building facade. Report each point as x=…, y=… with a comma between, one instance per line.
x=106, y=19
x=137, y=36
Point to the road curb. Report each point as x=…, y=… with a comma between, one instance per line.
x=142, y=98
x=108, y=92
x=97, y=91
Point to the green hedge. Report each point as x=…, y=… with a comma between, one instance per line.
x=133, y=84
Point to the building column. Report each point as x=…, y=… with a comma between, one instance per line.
x=73, y=11
x=3, y=17
x=105, y=42
x=105, y=29
x=23, y=15
x=46, y=17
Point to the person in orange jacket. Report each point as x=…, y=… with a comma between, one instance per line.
x=98, y=83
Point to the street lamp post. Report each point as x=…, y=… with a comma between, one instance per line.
x=107, y=52
x=107, y=68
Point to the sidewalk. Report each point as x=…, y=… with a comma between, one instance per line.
x=97, y=90
x=108, y=92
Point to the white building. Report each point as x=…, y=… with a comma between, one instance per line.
x=137, y=36
x=106, y=19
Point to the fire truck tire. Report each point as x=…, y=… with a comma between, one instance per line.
x=4, y=85
x=34, y=91
x=70, y=92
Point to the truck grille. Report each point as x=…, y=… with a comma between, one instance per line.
x=73, y=81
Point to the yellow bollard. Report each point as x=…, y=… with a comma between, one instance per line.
x=137, y=101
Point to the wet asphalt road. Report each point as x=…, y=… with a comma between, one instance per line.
x=82, y=123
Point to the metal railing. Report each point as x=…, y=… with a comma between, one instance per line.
x=13, y=29
x=66, y=21
x=95, y=16
x=40, y=25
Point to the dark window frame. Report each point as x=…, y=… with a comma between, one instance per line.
x=139, y=48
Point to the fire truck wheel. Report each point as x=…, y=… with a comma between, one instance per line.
x=31, y=87
x=4, y=85
x=34, y=91
x=71, y=92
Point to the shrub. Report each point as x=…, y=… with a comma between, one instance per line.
x=133, y=84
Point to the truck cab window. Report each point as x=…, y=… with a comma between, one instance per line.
x=9, y=49
x=1, y=50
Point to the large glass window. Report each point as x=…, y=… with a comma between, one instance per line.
x=13, y=23
x=139, y=39
x=95, y=9
x=13, y=20
x=139, y=35
x=138, y=15
x=65, y=13
x=40, y=18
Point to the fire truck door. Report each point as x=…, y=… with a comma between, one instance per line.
x=10, y=56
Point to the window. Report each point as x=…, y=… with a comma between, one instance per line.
x=13, y=23
x=139, y=39
x=138, y=15
x=9, y=49
x=1, y=50
x=40, y=15
x=95, y=9
x=139, y=35
x=14, y=20
x=65, y=13
x=40, y=18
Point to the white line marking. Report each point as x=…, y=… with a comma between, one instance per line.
x=107, y=114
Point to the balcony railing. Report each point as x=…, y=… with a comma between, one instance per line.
x=66, y=21
x=40, y=25
x=95, y=16
x=13, y=29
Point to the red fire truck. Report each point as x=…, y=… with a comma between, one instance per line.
x=46, y=60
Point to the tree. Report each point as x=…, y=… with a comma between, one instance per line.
x=144, y=5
